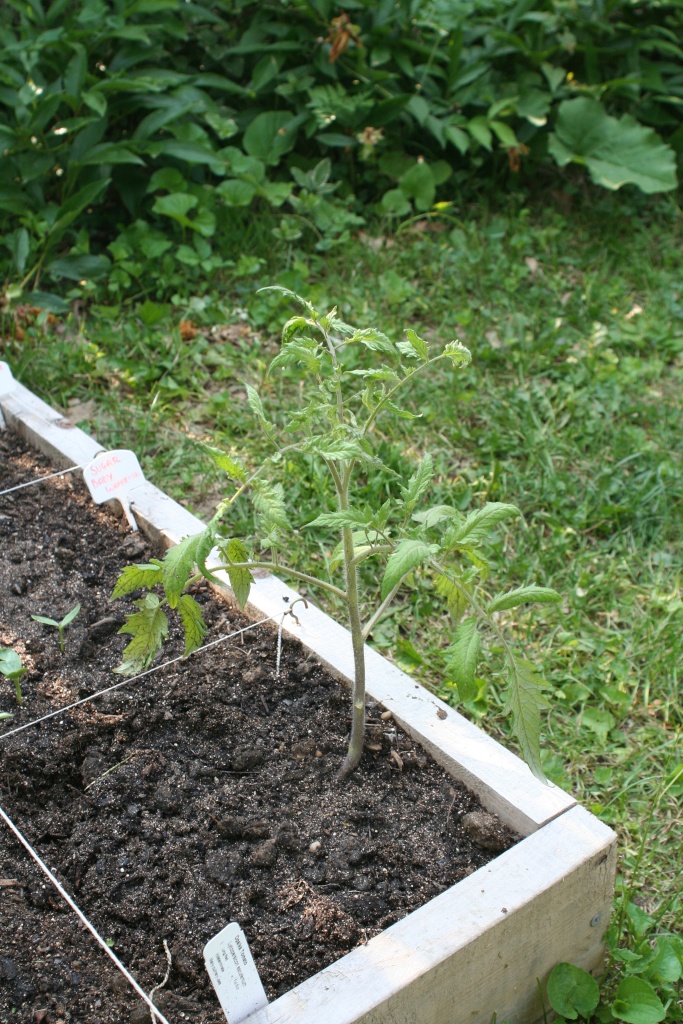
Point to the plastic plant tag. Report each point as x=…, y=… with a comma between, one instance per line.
x=7, y=381
x=113, y=475
x=233, y=974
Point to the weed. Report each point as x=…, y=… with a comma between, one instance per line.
x=11, y=668
x=61, y=625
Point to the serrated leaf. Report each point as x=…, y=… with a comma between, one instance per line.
x=418, y=483
x=334, y=447
x=525, y=701
x=522, y=595
x=403, y=414
x=344, y=517
x=372, y=339
x=226, y=462
x=456, y=600
x=380, y=375
x=457, y=353
x=303, y=350
x=437, y=514
x=177, y=566
x=409, y=554
x=463, y=656
x=193, y=623
x=269, y=502
x=479, y=523
x=240, y=578
x=149, y=628
x=255, y=403
x=414, y=347
x=294, y=324
x=136, y=577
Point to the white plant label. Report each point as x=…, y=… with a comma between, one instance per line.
x=233, y=974
x=114, y=475
x=7, y=381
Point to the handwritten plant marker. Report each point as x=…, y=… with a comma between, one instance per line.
x=114, y=475
x=7, y=381
x=234, y=974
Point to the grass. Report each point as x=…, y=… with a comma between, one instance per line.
x=571, y=410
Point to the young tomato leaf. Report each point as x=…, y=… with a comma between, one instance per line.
x=372, y=339
x=414, y=347
x=525, y=701
x=457, y=353
x=136, y=577
x=177, y=566
x=521, y=595
x=463, y=655
x=149, y=628
x=436, y=515
x=193, y=623
x=255, y=403
x=407, y=556
x=418, y=483
x=344, y=517
x=478, y=523
x=240, y=578
x=227, y=463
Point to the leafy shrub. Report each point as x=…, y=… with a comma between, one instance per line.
x=134, y=134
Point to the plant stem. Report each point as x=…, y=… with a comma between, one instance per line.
x=17, y=688
x=353, y=754
x=277, y=567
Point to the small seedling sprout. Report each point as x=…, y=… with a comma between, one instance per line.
x=334, y=421
x=11, y=667
x=59, y=626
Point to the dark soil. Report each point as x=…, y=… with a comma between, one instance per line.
x=202, y=794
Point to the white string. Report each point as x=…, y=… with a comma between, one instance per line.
x=32, y=483
x=132, y=679
x=156, y=1014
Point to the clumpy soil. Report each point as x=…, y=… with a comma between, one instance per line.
x=201, y=794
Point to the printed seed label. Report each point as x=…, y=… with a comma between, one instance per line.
x=114, y=475
x=7, y=381
x=233, y=974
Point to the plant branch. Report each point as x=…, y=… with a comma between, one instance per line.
x=276, y=566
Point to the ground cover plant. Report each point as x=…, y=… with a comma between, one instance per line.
x=135, y=135
x=571, y=408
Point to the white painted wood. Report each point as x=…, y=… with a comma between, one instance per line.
x=478, y=948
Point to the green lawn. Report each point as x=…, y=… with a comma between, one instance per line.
x=572, y=409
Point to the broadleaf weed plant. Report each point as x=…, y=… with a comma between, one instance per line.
x=60, y=626
x=12, y=668
x=335, y=422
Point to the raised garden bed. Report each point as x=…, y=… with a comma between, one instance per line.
x=473, y=949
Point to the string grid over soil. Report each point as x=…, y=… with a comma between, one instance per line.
x=202, y=794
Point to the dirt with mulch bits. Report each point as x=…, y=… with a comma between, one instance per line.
x=202, y=794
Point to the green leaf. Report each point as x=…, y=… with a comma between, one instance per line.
x=616, y=151
x=149, y=628
x=70, y=616
x=572, y=991
x=419, y=185
x=345, y=517
x=10, y=663
x=270, y=135
x=372, y=339
x=525, y=701
x=236, y=192
x=436, y=515
x=304, y=351
x=667, y=965
x=540, y=595
x=226, y=462
x=636, y=1002
x=193, y=623
x=255, y=403
x=240, y=579
x=457, y=353
x=456, y=600
x=479, y=523
x=463, y=655
x=334, y=448
x=178, y=565
x=293, y=325
x=415, y=347
x=408, y=555
x=269, y=502
x=418, y=483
